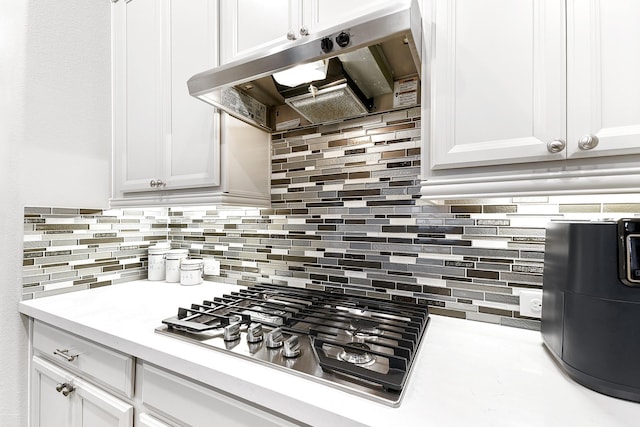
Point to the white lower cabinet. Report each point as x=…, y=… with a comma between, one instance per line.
x=189, y=403
x=76, y=382
x=60, y=398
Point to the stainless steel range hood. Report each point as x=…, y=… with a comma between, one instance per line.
x=369, y=61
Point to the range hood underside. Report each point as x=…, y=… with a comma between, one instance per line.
x=257, y=101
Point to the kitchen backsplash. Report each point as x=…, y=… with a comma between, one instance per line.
x=345, y=214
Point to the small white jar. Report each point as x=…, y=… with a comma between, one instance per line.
x=156, y=268
x=191, y=271
x=172, y=264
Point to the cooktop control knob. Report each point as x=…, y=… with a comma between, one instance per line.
x=291, y=347
x=231, y=332
x=326, y=44
x=343, y=39
x=255, y=333
x=274, y=338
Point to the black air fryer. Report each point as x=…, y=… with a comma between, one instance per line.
x=591, y=303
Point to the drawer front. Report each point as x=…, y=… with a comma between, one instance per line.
x=192, y=404
x=110, y=368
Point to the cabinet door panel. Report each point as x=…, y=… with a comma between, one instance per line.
x=96, y=408
x=193, y=141
x=248, y=26
x=603, y=65
x=498, y=82
x=190, y=403
x=49, y=408
x=137, y=96
x=319, y=14
x=85, y=406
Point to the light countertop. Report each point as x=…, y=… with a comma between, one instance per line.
x=467, y=373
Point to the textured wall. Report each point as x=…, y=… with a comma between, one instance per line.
x=345, y=213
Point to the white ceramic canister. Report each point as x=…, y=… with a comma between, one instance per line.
x=156, y=269
x=191, y=271
x=172, y=264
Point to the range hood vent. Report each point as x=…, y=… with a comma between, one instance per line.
x=365, y=58
x=333, y=98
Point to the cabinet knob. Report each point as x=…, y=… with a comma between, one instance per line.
x=304, y=31
x=291, y=35
x=556, y=146
x=65, y=388
x=588, y=142
x=157, y=183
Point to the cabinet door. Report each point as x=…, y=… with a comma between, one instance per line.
x=93, y=407
x=603, y=69
x=49, y=408
x=497, y=82
x=250, y=26
x=319, y=14
x=85, y=406
x=137, y=83
x=193, y=141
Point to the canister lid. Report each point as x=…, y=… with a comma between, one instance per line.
x=177, y=253
x=158, y=249
x=191, y=264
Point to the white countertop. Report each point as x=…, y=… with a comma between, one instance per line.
x=467, y=373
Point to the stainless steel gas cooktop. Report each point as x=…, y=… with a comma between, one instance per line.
x=361, y=345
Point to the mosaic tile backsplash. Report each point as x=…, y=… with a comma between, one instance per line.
x=345, y=214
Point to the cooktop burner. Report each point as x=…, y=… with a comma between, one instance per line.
x=361, y=345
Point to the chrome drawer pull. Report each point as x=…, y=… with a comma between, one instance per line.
x=65, y=354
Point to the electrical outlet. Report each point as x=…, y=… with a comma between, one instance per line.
x=531, y=303
x=211, y=267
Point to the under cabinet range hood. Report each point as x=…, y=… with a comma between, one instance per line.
x=370, y=64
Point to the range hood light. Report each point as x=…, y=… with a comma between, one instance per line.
x=300, y=74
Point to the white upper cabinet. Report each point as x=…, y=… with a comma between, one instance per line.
x=137, y=109
x=498, y=82
x=603, y=77
x=248, y=26
x=164, y=138
x=255, y=26
x=531, y=97
x=167, y=144
x=193, y=136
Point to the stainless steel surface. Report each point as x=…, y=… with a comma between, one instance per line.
x=357, y=344
x=396, y=31
x=588, y=142
x=556, y=146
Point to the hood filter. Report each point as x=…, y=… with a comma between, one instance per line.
x=329, y=104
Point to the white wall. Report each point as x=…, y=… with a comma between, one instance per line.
x=55, y=133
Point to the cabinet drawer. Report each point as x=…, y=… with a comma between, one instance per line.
x=108, y=367
x=195, y=405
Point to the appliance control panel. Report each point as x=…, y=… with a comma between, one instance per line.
x=629, y=251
